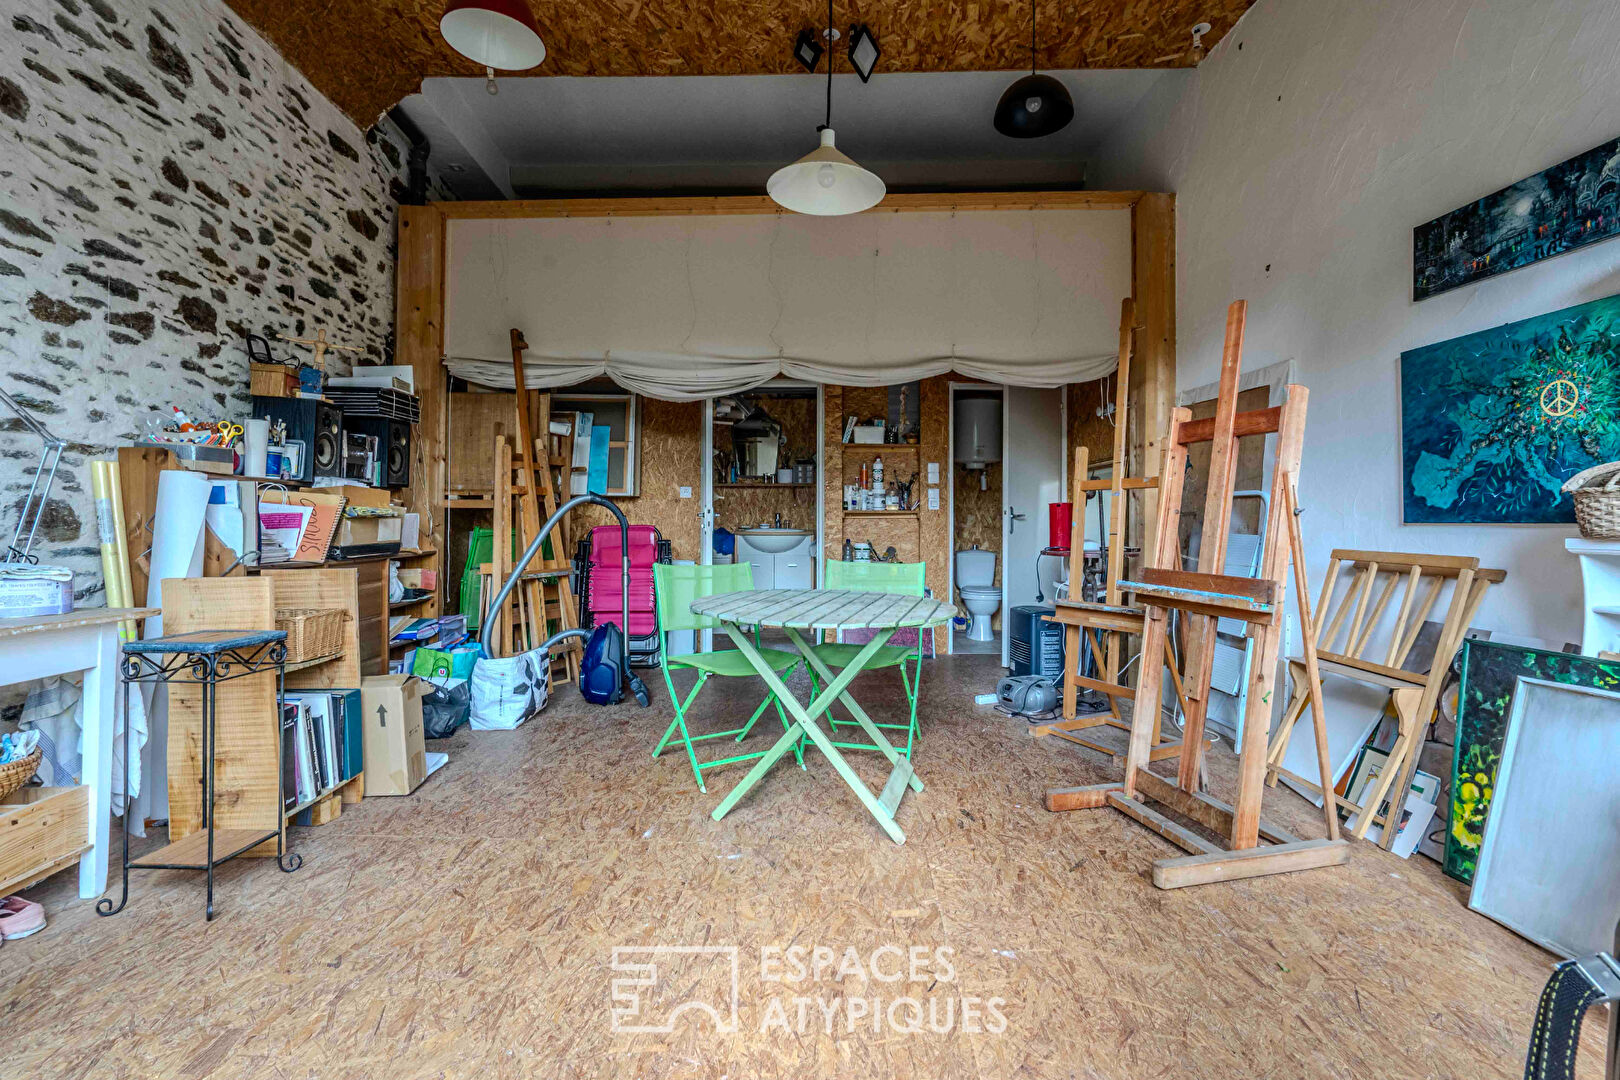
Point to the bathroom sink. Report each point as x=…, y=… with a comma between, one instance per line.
x=774, y=541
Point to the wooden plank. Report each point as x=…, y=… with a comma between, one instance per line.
x=1259, y=591
x=722, y=205
x=1200, y=651
x=897, y=786
x=336, y=587
x=41, y=827
x=1254, y=862
x=1128, y=483
x=1253, y=422
x=1313, y=675
x=72, y=620
x=1444, y=565
x=1207, y=810
x=247, y=782
x=1080, y=798
x=193, y=850
x=1185, y=839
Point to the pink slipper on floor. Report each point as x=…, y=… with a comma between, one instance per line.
x=19, y=918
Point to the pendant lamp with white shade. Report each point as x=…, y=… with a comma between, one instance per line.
x=494, y=34
x=825, y=182
x=1036, y=105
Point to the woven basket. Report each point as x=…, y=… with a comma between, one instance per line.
x=311, y=632
x=1596, y=492
x=15, y=774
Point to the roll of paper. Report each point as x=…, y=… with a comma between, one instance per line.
x=255, y=446
x=177, y=534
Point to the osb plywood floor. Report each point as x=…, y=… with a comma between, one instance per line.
x=469, y=931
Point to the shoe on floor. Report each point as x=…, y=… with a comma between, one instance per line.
x=19, y=918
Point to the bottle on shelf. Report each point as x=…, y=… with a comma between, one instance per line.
x=877, y=471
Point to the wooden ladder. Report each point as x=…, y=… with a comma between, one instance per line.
x=1203, y=596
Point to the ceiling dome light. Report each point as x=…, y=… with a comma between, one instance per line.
x=494, y=34
x=1035, y=105
x=825, y=182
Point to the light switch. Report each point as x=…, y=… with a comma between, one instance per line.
x=686, y=493
x=933, y=473
x=933, y=498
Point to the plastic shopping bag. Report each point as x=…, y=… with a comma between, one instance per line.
x=508, y=690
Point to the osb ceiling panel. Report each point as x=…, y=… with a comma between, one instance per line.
x=366, y=55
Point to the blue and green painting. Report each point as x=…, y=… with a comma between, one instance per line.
x=1493, y=423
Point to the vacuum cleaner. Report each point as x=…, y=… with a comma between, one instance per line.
x=604, y=669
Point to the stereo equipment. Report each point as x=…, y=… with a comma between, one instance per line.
x=376, y=401
x=360, y=459
x=393, y=443
x=317, y=424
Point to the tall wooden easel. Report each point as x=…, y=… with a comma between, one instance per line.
x=544, y=596
x=1203, y=596
x=1084, y=623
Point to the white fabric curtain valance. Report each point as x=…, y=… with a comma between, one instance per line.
x=685, y=308
x=687, y=378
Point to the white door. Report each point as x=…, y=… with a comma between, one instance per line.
x=705, y=509
x=1031, y=477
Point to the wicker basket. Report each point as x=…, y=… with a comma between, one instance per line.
x=15, y=774
x=1596, y=492
x=311, y=632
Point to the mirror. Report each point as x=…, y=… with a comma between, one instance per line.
x=756, y=442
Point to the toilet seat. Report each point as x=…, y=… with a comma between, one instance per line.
x=980, y=592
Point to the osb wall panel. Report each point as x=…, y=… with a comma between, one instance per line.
x=978, y=512
x=934, y=526
x=168, y=184
x=741, y=508
x=1086, y=428
x=797, y=415
x=670, y=456
x=729, y=37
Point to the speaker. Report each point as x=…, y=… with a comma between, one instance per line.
x=393, y=442
x=317, y=424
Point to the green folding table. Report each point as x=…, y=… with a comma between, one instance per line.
x=797, y=610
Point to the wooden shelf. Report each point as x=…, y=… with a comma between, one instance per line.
x=761, y=484
x=880, y=513
x=879, y=448
x=300, y=665
x=403, y=604
x=192, y=851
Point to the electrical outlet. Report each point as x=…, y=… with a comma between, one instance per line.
x=933, y=498
x=686, y=493
x=933, y=472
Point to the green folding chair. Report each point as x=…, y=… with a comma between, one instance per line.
x=676, y=587
x=906, y=579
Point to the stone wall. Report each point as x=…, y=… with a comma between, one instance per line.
x=168, y=183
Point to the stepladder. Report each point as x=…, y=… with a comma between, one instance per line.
x=1250, y=846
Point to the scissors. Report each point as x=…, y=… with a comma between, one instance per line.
x=228, y=432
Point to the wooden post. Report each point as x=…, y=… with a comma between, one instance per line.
x=419, y=342
x=1153, y=375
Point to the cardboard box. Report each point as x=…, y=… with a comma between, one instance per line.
x=368, y=530
x=395, y=761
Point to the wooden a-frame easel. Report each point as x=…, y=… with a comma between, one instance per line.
x=1203, y=596
x=1084, y=623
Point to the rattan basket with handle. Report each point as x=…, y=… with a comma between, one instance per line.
x=14, y=774
x=1596, y=492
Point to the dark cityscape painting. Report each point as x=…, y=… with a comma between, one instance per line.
x=1570, y=205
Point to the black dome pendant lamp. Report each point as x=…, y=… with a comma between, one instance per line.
x=1035, y=105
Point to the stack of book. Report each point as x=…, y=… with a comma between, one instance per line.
x=321, y=743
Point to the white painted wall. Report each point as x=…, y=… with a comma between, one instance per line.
x=1302, y=152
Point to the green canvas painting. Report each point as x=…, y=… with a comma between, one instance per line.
x=1490, y=672
x=1493, y=423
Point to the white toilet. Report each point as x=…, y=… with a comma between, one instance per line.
x=975, y=584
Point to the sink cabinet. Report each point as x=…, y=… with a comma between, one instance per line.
x=791, y=569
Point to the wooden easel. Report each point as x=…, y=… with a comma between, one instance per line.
x=1085, y=623
x=1203, y=596
x=544, y=596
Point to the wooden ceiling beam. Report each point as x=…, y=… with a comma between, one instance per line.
x=713, y=206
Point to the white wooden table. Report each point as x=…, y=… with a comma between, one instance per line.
x=795, y=610
x=84, y=641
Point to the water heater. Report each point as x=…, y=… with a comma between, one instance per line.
x=978, y=431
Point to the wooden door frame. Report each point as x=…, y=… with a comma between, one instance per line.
x=420, y=297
